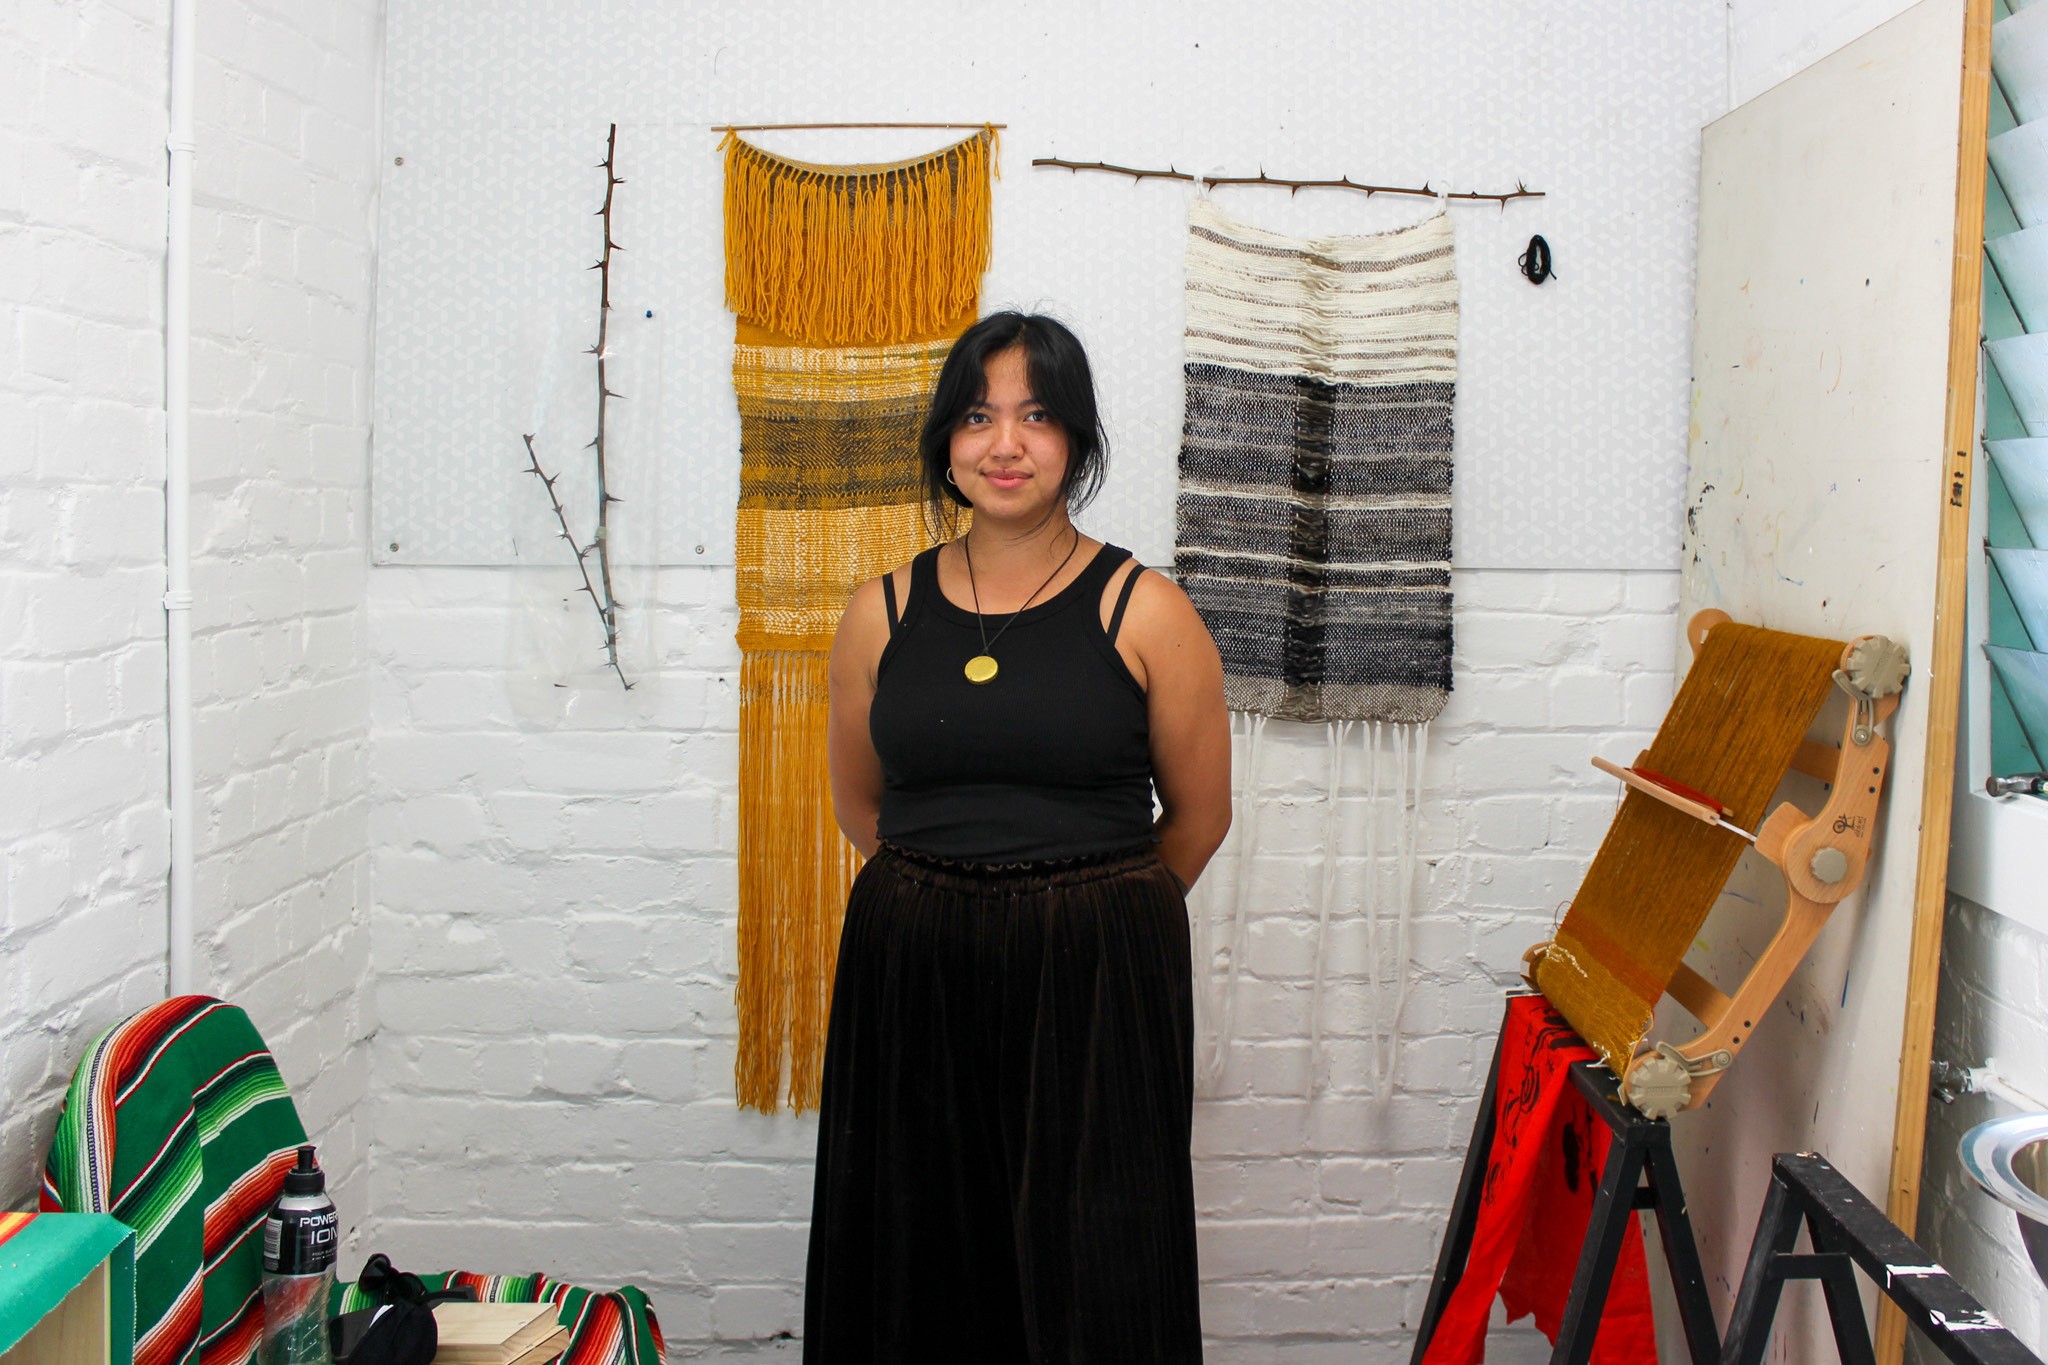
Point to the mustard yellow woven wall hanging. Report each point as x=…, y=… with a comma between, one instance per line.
x=849, y=284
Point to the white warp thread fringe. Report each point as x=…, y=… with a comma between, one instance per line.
x=1335, y=732
x=1387, y=971
x=1244, y=851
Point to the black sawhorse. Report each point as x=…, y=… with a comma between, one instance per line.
x=1847, y=1230
x=1641, y=1173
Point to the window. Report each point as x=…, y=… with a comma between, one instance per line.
x=2000, y=848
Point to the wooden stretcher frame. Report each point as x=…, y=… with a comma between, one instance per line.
x=1664, y=1079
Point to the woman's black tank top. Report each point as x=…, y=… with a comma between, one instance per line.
x=1051, y=759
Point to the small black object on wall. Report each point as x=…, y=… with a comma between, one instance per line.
x=1535, y=262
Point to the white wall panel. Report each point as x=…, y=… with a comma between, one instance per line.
x=1571, y=415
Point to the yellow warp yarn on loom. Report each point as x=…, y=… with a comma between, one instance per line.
x=1731, y=733
x=849, y=283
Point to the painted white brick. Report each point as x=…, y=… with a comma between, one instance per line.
x=746, y=1312
x=34, y=711
x=1581, y=701
x=83, y=286
x=1517, y=643
x=580, y=1067
x=1586, y=594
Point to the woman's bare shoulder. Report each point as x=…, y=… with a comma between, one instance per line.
x=1158, y=605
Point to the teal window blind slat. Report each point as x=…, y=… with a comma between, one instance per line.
x=2015, y=322
x=2022, y=481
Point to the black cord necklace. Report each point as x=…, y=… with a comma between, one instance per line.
x=982, y=667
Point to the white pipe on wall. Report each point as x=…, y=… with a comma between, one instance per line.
x=1989, y=1080
x=178, y=495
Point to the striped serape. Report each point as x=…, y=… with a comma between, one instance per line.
x=1313, y=528
x=849, y=284
x=605, y=1328
x=178, y=1124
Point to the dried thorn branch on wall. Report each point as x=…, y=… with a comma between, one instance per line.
x=609, y=609
x=600, y=588
x=582, y=552
x=1520, y=191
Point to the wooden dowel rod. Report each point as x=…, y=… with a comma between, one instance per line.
x=1698, y=810
x=777, y=127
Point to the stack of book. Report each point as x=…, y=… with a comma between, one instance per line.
x=497, y=1333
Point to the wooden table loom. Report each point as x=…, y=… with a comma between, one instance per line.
x=1736, y=727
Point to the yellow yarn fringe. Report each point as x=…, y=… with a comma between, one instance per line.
x=794, y=879
x=846, y=255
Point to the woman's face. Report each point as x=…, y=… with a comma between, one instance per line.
x=1009, y=458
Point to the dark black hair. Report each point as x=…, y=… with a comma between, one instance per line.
x=1061, y=382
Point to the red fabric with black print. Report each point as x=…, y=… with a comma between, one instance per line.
x=1541, y=1176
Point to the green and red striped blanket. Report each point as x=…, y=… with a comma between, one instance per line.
x=178, y=1124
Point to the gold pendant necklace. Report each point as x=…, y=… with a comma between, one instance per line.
x=982, y=667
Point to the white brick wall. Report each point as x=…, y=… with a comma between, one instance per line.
x=553, y=940
x=281, y=292
x=81, y=517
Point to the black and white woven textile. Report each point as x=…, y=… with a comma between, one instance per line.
x=1313, y=525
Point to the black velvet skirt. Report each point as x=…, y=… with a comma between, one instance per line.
x=1003, y=1169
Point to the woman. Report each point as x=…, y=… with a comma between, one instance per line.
x=1003, y=1148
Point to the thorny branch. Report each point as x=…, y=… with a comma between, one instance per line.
x=603, y=267
x=606, y=603
x=582, y=552
x=1520, y=191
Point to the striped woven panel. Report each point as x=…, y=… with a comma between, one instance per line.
x=849, y=283
x=606, y=1327
x=178, y=1124
x=1731, y=733
x=829, y=484
x=1313, y=527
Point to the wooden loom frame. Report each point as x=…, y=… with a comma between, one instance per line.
x=1822, y=857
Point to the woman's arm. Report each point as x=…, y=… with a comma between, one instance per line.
x=1183, y=679
x=856, y=771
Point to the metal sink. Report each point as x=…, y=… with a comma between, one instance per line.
x=2008, y=1159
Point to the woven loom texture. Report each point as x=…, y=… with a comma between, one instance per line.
x=829, y=485
x=1313, y=526
x=850, y=284
x=1731, y=733
x=178, y=1124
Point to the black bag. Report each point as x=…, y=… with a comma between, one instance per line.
x=400, y=1330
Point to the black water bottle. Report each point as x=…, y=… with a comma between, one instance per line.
x=298, y=1269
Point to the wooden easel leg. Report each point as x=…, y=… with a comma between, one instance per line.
x=1450, y=1261
x=1682, y=1256
x=1614, y=1203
